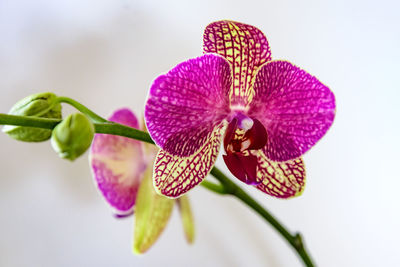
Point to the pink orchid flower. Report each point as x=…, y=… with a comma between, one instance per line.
x=268, y=114
x=122, y=170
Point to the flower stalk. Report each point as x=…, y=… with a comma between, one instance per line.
x=225, y=186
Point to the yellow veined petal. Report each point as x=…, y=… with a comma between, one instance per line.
x=174, y=175
x=245, y=47
x=281, y=179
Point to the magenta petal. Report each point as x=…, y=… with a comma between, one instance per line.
x=126, y=117
x=242, y=167
x=118, y=165
x=186, y=104
x=295, y=108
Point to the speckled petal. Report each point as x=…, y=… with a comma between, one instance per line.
x=280, y=179
x=152, y=213
x=118, y=165
x=175, y=175
x=186, y=104
x=295, y=108
x=245, y=47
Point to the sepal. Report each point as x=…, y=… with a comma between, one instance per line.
x=187, y=218
x=152, y=212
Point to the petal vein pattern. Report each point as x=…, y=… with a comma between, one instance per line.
x=174, y=175
x=186, y=104
x=280, y=179
x=295, y=108
x=245, y=47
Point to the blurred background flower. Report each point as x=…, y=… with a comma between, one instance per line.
x=106, y=54
x=123, y=172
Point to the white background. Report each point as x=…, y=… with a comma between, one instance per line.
x=106, y=54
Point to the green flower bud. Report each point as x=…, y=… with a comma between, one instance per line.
x=43, y=105
x=73, y=136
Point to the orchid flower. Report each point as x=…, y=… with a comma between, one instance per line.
x=268, y=114
x=122, y=169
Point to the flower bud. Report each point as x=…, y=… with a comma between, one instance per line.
x=43, y=105
x=73, y=136
x=152, y=213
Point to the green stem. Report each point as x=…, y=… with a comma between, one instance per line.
x=294, y=240
x=122, y=130
x=6, y=119
x=217, y=188
x=226, y=186
x=81, y=108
